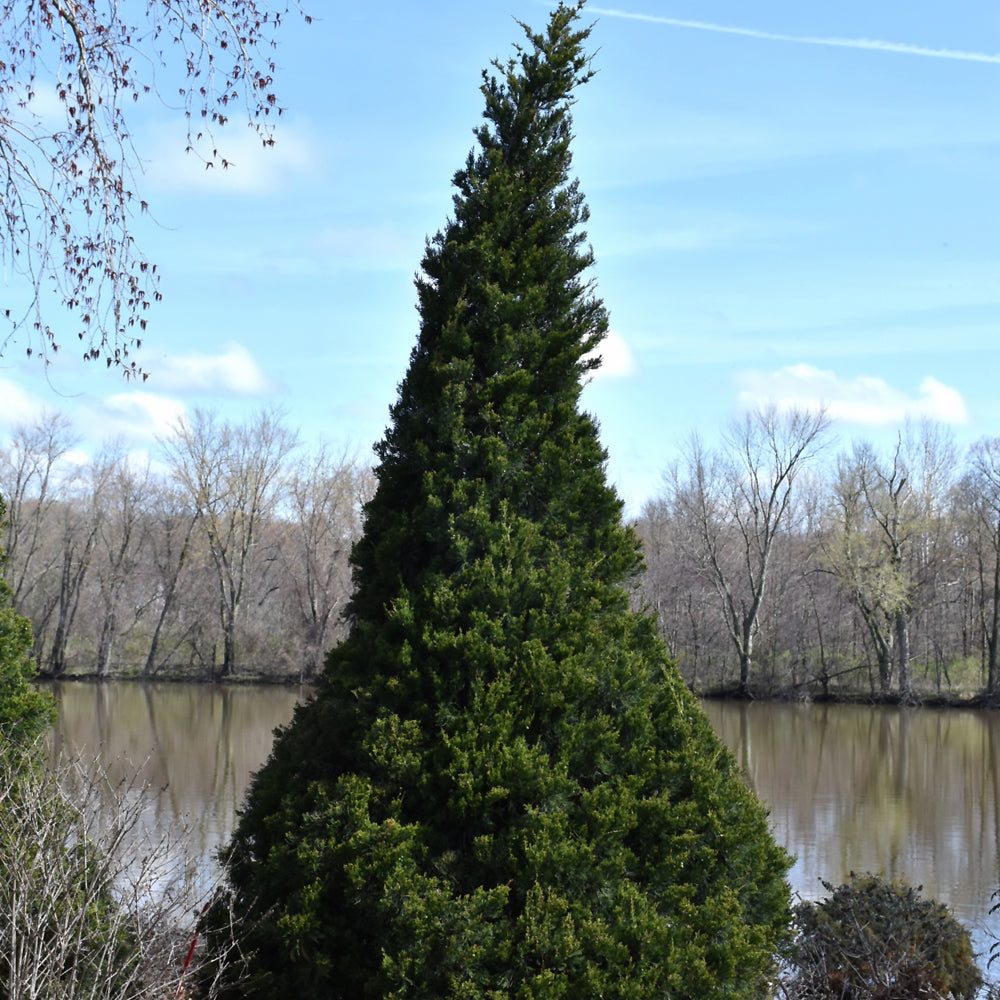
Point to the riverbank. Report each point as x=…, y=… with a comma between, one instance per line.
x=892, y=699
x=954, y=699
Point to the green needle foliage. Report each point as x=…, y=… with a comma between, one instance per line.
x=25, y=713
x=502, y=787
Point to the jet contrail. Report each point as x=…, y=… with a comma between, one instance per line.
x=872, y=44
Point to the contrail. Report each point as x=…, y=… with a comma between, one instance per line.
x=872, y=44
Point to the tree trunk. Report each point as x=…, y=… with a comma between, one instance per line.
x=883, y=649
x=745, y=650
x=903, y=657
x=991, y=638
x=745, y=664
x=105, y=643
x=228, y=651
x=174, y=574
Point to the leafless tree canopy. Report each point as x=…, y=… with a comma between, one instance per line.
x=228, y=552
x=771, y=560
x=734, y=503
x=877, y=571
x=71, y=72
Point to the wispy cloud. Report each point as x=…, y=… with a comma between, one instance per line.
x=252, y=168
x=871, y=44
x=634, y=236
x=131, y=417
x=153, y=415
x=866, y=399
x=233, y=370
x=384, y=246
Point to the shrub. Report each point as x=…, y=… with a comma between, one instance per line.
x=874, y=939
x=25, y=713
x=92, y=907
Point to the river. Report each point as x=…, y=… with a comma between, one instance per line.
x=913, y=793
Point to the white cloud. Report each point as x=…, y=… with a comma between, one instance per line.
x=234, y=370
x=16, y=406
x=251, y=169
x=616, y=357
x=133, y=416
x=941, y=402
x=46, y=105
x=77, y=457
x=866, y=399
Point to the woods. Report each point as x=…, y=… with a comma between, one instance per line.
x=225, y=551
x=881, y=578
x=781, y=562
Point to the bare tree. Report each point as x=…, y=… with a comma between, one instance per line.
x=172, y=524
x=231, y=475
x=889, y=510
x=325, y=496
x=684, y=603
x=981, y=490
x=81, y=515
x=735, y=503
x=31, y=480
x=92, y=905
x=69, y=190
x=122, y=496
x=855, y=556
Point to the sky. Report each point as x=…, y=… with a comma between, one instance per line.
x=791, y=204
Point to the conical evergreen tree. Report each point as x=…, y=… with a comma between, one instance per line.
x=25, y=713
x=502, y=787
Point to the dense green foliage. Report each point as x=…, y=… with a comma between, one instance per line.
x=872, y=939
x=24, y=712
x=502, y=787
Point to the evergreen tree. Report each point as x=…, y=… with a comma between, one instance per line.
x=502, y=788
x=25, y=713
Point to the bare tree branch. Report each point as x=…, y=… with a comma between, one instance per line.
x=68, y=174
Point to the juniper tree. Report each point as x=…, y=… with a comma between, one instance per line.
x=502, y=788
x=25, y=713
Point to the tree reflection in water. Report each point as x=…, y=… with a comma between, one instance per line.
x=197, y=745
x=911, y=793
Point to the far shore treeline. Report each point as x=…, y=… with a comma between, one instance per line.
x=777, y=564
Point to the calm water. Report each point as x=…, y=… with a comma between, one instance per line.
x=907, y=792
x=912, y=793
x=197, y=743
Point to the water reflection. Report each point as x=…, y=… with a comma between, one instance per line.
x=197, y=745
x=912, y=793
x=907, y=792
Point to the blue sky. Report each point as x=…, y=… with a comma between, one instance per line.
x=790, y=203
